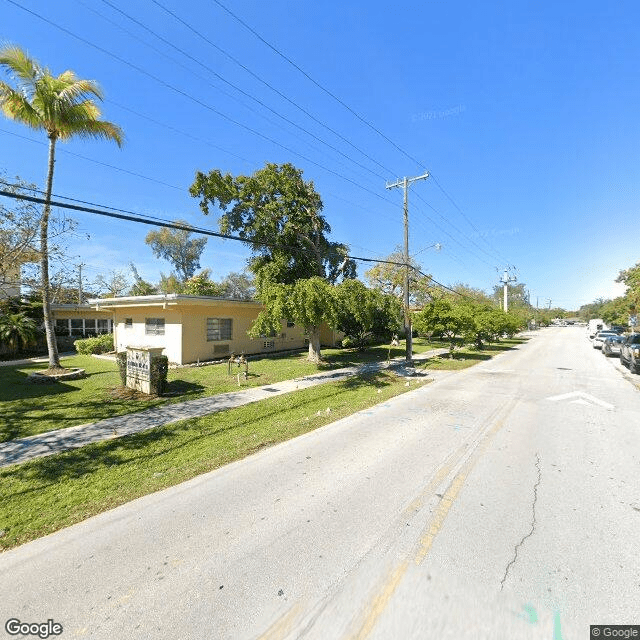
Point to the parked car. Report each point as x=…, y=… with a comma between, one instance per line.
x=611, y=345
x=630, y=352
x=600, y=337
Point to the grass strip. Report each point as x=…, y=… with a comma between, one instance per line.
x=28, y=409
x=47, y=494
x=468, y=356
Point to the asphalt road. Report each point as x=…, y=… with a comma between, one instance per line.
x=499, y=502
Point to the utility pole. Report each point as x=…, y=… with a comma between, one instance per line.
x=80, y=283
x=404, y=183
x=506, y=279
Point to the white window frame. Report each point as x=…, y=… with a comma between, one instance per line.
x=154, y=326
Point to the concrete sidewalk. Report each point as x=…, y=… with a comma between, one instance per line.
x=51, y=442
x=34, y=360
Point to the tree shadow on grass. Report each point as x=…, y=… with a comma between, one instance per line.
x=15, y=384
x=183, y=389
x=26, y=418
x=141, y=448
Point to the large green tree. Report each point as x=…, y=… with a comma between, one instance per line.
x=364, y=314
x=280, y=215
x=178, y=248
x=447, y=317
x=631, y=278
x=308, y=302
x=389, y=278
x=201, y=284
x=63, y=107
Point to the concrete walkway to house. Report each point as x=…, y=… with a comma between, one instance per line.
x=51, y=442
x=36, y=360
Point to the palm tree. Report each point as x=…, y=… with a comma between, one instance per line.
x=63, y=107
x=17, y=329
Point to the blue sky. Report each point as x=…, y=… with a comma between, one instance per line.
x=526, y=113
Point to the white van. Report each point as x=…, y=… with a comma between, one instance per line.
x=595, y=325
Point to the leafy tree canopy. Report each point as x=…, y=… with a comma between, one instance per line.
x=365, y=313
x=389, y=278
x=177, y=247
x=275, y=206
x=238, y=286
x=307, y=302
x=202, y=285
x=631, y=278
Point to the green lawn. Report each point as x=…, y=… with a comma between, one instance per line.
x=46, y=494
x=468, y=356
x=28, y=409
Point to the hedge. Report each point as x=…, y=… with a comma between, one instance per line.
x=99, y=344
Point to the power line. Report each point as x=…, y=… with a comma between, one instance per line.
x=196, y=100
x=462, y=213
x=123, y=214
x=317, y=84
x=153, y=221
x=257, y=77
x=343, y=104
x=104, y=164
x=179, y=131
x=456, y=228
x=223, y=79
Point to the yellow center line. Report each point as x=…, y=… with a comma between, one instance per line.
x=435, y=525
x=283, y=625
x=380, y=603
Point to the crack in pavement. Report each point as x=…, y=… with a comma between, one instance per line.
x=533, y=524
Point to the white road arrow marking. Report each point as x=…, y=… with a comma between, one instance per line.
x=580, y=397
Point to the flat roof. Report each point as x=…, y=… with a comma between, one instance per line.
x=166, y=299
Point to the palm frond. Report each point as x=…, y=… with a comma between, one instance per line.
x=63, y=105
x=23, y=68
x=76, y=89
x=17, y=107
x=94, y=129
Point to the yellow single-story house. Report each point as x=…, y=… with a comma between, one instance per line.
x=188, y=328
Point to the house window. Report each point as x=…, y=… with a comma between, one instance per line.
x=128, y=323
x=154, y=326
x=89, y=327
x=290, y=324
x=268, y=344
x=102, y=326
x=62, y=327
x=219, y=329
x=77, y=327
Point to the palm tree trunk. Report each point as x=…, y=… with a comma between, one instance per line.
x=52, y=346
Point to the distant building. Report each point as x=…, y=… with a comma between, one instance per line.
x=10, y=280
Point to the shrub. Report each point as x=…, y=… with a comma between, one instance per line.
x=99, y=344
x=121, y=359
x=159, y=369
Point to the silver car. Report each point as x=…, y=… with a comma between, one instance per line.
x=611, y=345
x=600, y=337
